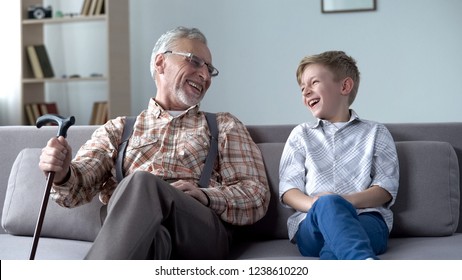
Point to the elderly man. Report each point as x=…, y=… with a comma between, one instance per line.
x=159, y=211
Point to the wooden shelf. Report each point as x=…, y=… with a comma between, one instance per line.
x=115, y=36
x=63, y=80
x=64, y=20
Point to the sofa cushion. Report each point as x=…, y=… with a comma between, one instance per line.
x=23, y=200
x=428, y=198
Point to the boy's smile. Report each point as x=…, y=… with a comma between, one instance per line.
x=313, y=102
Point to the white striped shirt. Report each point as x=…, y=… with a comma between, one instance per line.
x=321, y=157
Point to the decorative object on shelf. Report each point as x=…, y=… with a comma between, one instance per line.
x=340, y=6
x=39, y=12
x=59, y=14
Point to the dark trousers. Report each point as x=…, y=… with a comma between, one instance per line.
x=147, y=218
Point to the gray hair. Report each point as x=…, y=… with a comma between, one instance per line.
x=168, y=39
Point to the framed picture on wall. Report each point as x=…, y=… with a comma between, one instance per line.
x=341, y=6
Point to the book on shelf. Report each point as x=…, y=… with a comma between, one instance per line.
x=44, y=60
x=40, y=61
x=99, y=113
x=92, y=7
x=85, y=8
x=35, y=110
x=30, y=116
x=99, y=7
x=34, y=62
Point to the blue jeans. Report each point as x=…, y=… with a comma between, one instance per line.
x=333, y=230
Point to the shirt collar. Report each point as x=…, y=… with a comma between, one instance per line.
x=319, y=122
x=157, y=110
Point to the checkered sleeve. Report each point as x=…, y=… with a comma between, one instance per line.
x=242, y=196
x=92, y=168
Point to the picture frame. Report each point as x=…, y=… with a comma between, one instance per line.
x=342, y=6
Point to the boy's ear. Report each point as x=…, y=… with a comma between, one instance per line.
x=347, y=85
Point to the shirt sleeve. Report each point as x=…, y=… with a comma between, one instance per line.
x=385, y=166
x=242, y=195
x=92, y=169
x=292, y=165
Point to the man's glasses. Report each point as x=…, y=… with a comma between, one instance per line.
x=197, y=62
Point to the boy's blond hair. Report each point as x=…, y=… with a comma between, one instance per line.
x=339, y=63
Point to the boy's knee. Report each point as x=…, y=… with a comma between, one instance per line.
x=332, y=200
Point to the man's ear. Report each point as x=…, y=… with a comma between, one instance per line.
x=159, y=63
x=347, y=85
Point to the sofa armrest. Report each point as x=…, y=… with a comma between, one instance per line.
x=23, y=199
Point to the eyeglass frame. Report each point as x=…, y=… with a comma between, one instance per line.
x=196, y=62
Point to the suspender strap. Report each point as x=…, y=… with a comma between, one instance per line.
x=212, y=155
x=209, y=162
x=128, y=130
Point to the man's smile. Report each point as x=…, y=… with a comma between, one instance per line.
x=195, y=85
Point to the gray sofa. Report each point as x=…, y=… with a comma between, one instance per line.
x=427, y=210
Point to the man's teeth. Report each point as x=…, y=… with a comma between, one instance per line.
x=193, y=84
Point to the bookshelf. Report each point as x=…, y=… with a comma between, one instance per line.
x=116, y=77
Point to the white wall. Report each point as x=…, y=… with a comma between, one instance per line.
x=63, y=42
x=10, y=53
x=408, y=52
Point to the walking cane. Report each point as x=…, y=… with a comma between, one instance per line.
x=63, y=126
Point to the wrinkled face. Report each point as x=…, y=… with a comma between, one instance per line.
x=323, y=95
x=183, y=83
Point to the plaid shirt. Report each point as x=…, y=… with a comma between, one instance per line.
x=174, y=148
x=323, y=158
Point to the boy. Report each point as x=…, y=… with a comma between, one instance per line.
x=341, y=173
